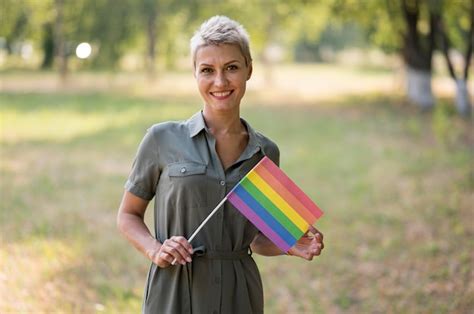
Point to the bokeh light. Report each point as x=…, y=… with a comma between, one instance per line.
x=83, y=50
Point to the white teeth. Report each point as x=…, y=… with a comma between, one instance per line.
x=221, y=94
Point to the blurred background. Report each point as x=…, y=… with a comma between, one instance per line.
x=370, y=103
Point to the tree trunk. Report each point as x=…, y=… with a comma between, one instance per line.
x=418, y=87
x=48, y=46
x=463, y=103
x=151, y=32
x=417, y=54
x=60, y=44
x=151, y=19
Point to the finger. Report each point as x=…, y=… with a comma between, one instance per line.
x=168, y=249
x=318, y=249
x=166, y=257
x=312, y=253
x=163, y=259
x=178, y=253
x=184, y=242
x=176, y=250
x=317, y=241
x=175, y=259
x=319, y=245
x=181, y=245
x=312, y=229
x=319, y=237
x=319, y=233
x=315, y=252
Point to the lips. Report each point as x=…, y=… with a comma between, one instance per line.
x=221, y=95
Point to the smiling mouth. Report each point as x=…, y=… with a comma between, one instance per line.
x=222, y=95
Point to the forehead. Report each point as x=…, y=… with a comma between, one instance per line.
x=218, y=54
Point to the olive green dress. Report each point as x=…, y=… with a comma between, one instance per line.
x=178, y=165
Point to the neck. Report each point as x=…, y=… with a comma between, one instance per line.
x=223, y=122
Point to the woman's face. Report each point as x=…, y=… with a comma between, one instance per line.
x=221, y=74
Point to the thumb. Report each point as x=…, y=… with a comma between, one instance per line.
x=312, y=229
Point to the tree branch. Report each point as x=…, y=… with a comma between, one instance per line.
x=445, y=44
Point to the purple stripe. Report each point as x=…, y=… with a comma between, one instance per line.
x=257, y=221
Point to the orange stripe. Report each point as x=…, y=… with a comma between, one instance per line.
x=290, y=186
x=285, y=194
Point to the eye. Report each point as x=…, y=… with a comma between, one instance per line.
x=232, y=67
x=206, y=70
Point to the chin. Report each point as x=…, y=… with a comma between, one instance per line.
x=223, y=107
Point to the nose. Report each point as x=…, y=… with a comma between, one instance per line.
x=220, y=80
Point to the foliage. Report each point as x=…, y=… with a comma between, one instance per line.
x=22, y=20
x=457, y=18
x=117, y=27
x=383, y=20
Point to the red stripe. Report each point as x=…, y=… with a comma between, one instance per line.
x=285, y=194
x=291, y=186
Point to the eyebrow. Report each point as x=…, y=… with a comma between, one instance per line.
x=210, y=65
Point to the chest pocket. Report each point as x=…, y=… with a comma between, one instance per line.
x=188, y=184
x=184, y=169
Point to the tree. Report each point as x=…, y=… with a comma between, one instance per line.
x=417, y=51
x=166, y=24
x=59, y=39
x=22, y=21
x=14, y=22
x=47, y=45
x=111, y=26
x=413, y=30
x=466, y=32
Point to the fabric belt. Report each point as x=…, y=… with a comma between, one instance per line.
x=201, y=251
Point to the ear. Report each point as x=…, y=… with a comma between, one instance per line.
x=250, y=71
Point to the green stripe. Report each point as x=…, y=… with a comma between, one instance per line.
x=271, y=208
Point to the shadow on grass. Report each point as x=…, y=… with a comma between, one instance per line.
x=86, y=102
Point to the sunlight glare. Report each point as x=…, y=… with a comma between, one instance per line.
x=83, y=50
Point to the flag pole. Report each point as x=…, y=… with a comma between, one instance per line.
x=204, y=222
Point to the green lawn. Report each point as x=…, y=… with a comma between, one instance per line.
x=396, y=187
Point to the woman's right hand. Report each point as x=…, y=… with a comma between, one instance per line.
x=176, y=247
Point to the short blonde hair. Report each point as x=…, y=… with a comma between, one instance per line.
x=221, y=30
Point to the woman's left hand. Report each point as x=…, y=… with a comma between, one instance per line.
x=309, y=245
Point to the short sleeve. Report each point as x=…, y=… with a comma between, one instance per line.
x=145, y=172
x=273, y=152
x=275, y=155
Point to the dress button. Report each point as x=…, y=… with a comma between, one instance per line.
x=183, y=170
x=217, y=280
x=222, y=182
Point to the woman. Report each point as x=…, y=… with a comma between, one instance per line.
x=189, y=167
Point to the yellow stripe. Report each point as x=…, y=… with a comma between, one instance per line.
x=279, y=202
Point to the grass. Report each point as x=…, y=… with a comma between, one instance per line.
x=396, y=187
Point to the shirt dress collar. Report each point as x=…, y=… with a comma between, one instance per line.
x=196, y=124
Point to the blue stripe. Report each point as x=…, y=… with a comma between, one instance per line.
x=266, y=216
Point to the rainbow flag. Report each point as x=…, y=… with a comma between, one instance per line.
x=274, y=204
